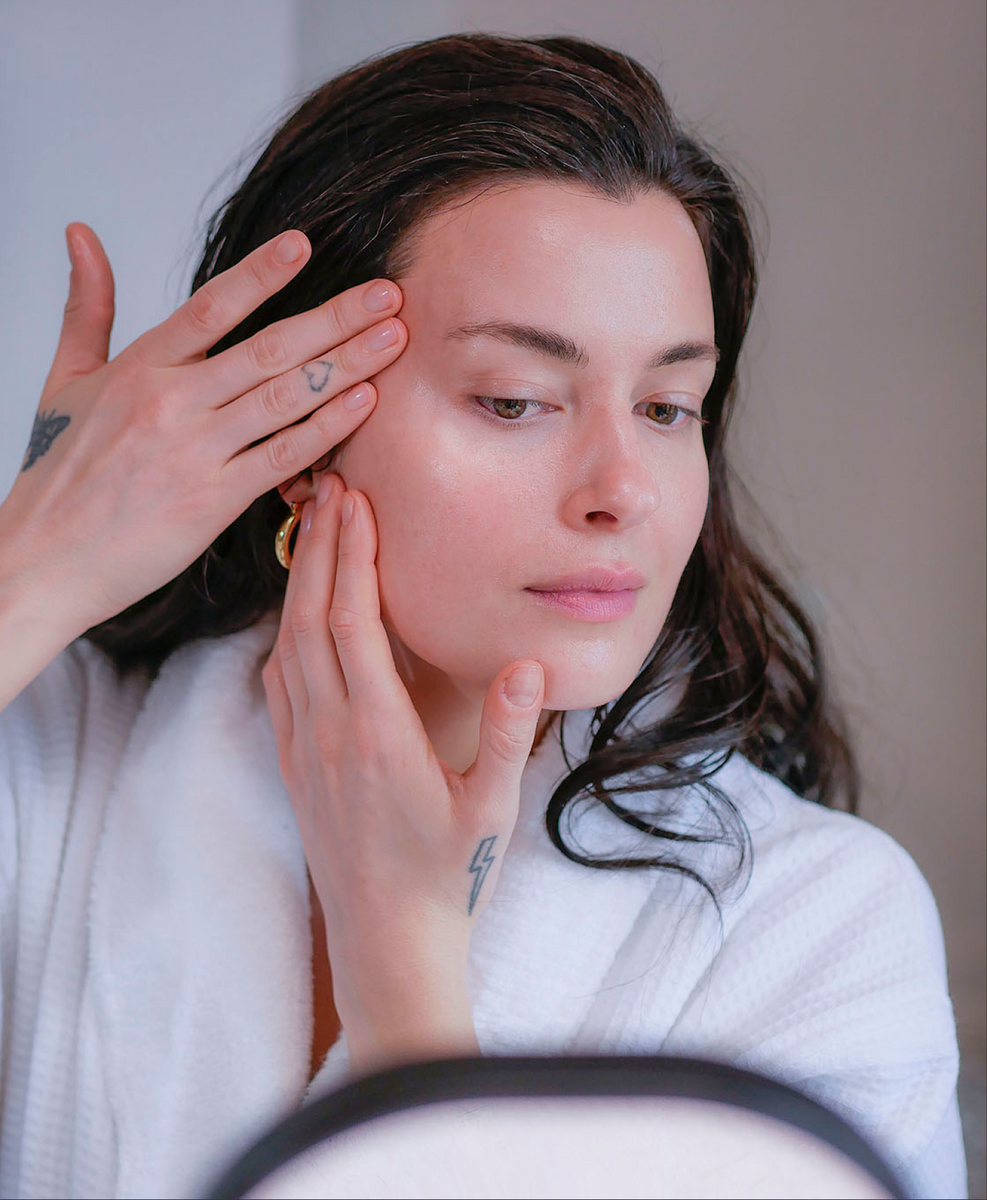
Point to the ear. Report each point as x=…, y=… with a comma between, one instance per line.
x=303, y=487
x=305, y=484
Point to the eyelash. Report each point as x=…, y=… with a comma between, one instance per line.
x=688, y=412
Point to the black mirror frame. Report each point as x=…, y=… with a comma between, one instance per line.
x=587, y=1076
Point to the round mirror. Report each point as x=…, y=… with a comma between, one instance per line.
x=570, y=1127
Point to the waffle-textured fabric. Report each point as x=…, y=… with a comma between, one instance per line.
x=155, y=944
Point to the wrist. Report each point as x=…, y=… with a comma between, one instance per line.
x=402, y=1044
x=32, y=600
x=413, y=1016
x=34, y=629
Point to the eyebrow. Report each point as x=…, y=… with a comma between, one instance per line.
x=557, y=345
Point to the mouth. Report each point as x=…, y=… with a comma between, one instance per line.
x=588, y=605
x=595, y=577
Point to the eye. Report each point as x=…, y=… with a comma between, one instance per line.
x=662, y=408
x=483, y=401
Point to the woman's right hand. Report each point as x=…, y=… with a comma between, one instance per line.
x=136, y=465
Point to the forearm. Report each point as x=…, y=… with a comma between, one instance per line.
x=33, y=628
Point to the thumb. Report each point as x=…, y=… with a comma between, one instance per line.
x=84, y=344
x=507, y=731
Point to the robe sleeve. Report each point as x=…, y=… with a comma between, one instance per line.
x=833, y=979
x=59, y=739
x=40, y=736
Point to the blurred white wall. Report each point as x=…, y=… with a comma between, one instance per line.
x=123, y=116
x=861, y=128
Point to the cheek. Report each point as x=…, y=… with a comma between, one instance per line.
x=697, y=492
x=439, y=540
x=452, y=557
x=679, y=520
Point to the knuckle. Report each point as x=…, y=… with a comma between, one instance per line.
x=261, y=269
x=344, y=623
x=347, y=356
x=507, y=744
x=89, y=310
x=281, y=453
x=287, y=650
x=204, y=310
x=276, y=397
x=337, y=321
x=302, y=619
x=267, y=350
x=326, y=420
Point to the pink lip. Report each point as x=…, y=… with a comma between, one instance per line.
x=589, y=606
x=605, y=577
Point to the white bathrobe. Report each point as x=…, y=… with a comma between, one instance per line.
x=155, y=947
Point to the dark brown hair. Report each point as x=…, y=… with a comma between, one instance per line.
x=359, y=162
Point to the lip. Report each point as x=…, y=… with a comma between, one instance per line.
x=617, y=578
x=589, y=606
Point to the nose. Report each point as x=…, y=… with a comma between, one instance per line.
x=616, y=474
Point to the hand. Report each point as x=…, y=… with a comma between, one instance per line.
x=404, y=852
x=135, y=466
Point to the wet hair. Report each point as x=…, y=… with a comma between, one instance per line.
x=363, y=159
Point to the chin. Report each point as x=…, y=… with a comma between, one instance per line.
x=573, y=696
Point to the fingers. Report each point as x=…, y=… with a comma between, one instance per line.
x=224, y=301
x=372, y=681
x=338, y=330
x=335, y=652
x=278, y=403
x=84, y=343
x=312, y=673
x=293, y=450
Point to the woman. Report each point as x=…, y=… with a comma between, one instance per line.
x=260, y=830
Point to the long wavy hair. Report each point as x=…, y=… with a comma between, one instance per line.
x=358, y=164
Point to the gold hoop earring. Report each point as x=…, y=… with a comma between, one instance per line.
x=283, y=537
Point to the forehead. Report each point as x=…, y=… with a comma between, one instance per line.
x=541, y=247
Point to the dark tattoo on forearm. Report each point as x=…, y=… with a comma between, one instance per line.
x=318, y=374
x=47, y=427
x=482, y=861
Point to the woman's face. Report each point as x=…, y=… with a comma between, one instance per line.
x=475, y=501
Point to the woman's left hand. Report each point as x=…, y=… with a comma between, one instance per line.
x=404, y=852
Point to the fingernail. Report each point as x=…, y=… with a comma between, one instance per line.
x=325, y=490
x=77, y=251
x=307, y=516
x=381, y=338
x=377, y=297
x=522, y=686
x=357, y=398
x=289, y=249
x=347, y=508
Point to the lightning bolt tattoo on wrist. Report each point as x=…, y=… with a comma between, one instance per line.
x=482, y=861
